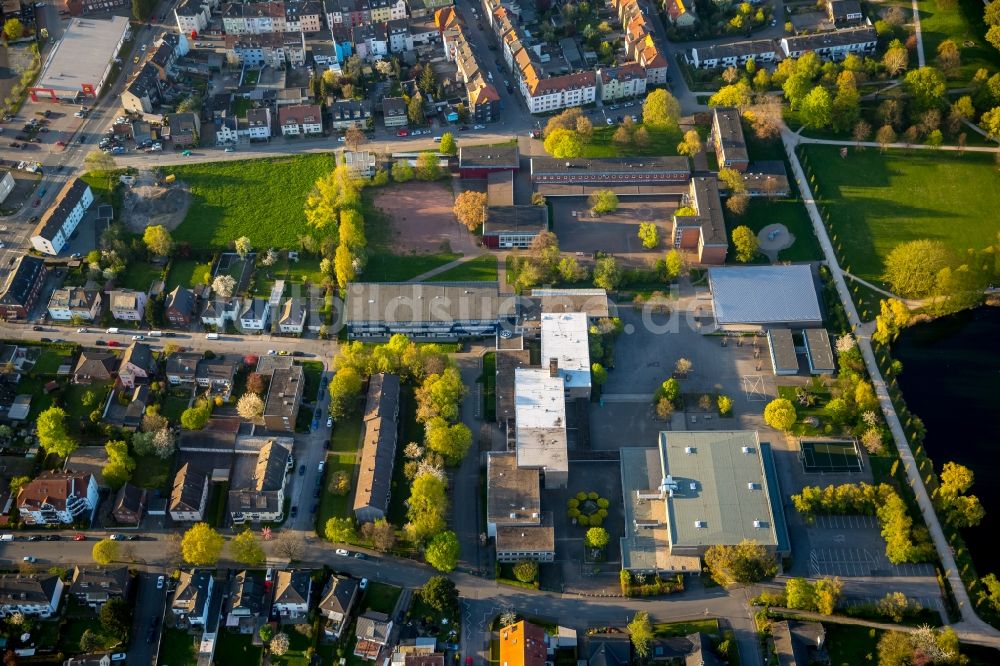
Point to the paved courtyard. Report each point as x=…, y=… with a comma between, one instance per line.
x=614, y=233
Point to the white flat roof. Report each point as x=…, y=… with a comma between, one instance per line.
x=762, y=295
x=564, y=337
x=540, y=413
x=83, y=54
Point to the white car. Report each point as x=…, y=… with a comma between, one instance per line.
x=119, y=656
x=29, y=559
x=329, y=422
x=363, y=584
x=271, y=352
x=341, y=139
x=610, y=121
x=159, y=582
x=342, y=552
x=479, y=127
x=82, y=330
x=137, y=338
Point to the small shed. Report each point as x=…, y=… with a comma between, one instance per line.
x=819, y=352
x=782, y=349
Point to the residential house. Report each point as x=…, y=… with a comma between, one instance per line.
x=217, y=375
x=191, y=597
x=258, y=124
x=292, y=591
x=182, y=368
x=844, y=13
x=35, y=595
x=220, y=311
x=130, y=502
x=144, y=92
x=371, y=42
x=192, y=16
x=294, y=45
x=22, y=287
x=164, y=56
x=227, y=130
x=136, y=408
x=128, y=305
x=248, y=601
x=831, y=45
x=179, y=307
x=378, y=452
x=339, y=596
x=255, y=314
x=680, y=12
x=483, y=101
x=95, y=366
x=68, y=303
x=300, y=120
x=253, y=18
x=95, y=585
x=372, y=632
x=57, y=497
x=734, y=54
x=557, y=92
x=623, y=81
x=303, y=16
x=59, y=221
x=360, y=163
x=260, y=496
x=727, y=138
x=293, y=316
x=523, y=644
x=347, y=113
x=394, y=112
x=799, y=643
x=398, y=32
x=189, y=495
x=284, y=394
x=137, y=366
x=259, y=50
x=183, y=129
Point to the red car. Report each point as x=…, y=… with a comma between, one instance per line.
x=79, y=537
x=112, y=343
x=61, y=143
x=403, y=132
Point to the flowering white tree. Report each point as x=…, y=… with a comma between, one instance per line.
x=845, y=343
x=413, y=451
x=270, y=257
x=250, y=406
x=243, y=247
x=163, y=443
x=279, y=644
x=224, y=285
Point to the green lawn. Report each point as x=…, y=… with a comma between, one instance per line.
x=343, y=456
x=72, y=399
x=661, y=142
x=380, y=597
x=961, y=23
x=240, y=107
x=215, y=511
x=297, y=646
x=480, y=269
x=384, y=267
x=296, y=272
x=188, y=273
x=235, y=649
x=789, y=212
x=49, y=361
x=152, y=472
x=139, y=275
x=876, y=201
x=173, y=407
x=177, y=648
x=313, y=373
x=260, y=199
x=849, y=645
x=674, y=629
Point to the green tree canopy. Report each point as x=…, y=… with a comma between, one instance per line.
x=746, y=563
x=661, y=110
x=597, y=537
x=641, y=633
x=745, y=243
x=780, y=414
x=911, y=267
x=442, y=552
x=563, y=143
x=52, y=434
x=340, y=529
x=105, y=551
x=245, y=549
x=448, y=145
x=201, y=545
x=440, y=593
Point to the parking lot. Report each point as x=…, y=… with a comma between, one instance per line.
x=616, y=232
x=852, y=546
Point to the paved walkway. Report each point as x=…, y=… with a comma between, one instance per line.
x=445, y=267
x=971, y=627
x=920, y=38
x=910, y=303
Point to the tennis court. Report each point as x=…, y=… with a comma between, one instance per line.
x=830, y=457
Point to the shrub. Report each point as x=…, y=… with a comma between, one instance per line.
x=340, y=483
x=592, y=495
x=572, y=503
x=581, y=496
x=526, y=572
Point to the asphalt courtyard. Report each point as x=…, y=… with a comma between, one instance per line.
x=614, y=233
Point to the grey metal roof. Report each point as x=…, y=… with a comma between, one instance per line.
x=417, y=303
x=764, y=294
x=782, y=349
x=818, y=350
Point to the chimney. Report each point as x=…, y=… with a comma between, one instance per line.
x=553, y=367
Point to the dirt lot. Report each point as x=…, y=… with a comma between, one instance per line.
x=615, y=233
x=148, y=203
x=420, y=218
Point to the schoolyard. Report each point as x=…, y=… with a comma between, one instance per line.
x=876, y=201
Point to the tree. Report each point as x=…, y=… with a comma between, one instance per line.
x=201, y=545
x=88, y=641
x=116, y=617
x=16, y=483
x=673, y=265
x=862, y=131
x=990, y=122
x=691, y=144
x=598, y=375
x=570, y=270
x=724, y=404
x=401, y=171
x=381, y=533
x=427, y=507
x=345, y=387
x=448, y=145
x=428, y=167
x=526, y=571
x=649, y=234
x=245, y=549
x=896, y=60
x=895, y=649
x=927, y=86
x=105, y=551
x=738, y=203
x=948, y=58
x=641, y=632
x=597, y=537
x=885, y=135
x=828, y=591
x=120, y=465
x=250, y=406
x=622, y=136
x=256, y=382
x=266, y=632
x=224, y=285
x=451, y=441
x=157, y=240
x=242, y=246
x=603, y=201
x=816, y=109
x=442, y=552
x=669, y=390
x=415, y=109
x=196, y=418
x=563, y=143
x=780, y=414
x=912, y=267
x=343, y=261
x=340, y=529
x=470, y=209
x=52, y=434
x=661, y=110
x=745, y=243
x=846, y=108
x=289, y=545
x=13, y=29
x=278, y=644
x=800, y=594
x=584, y=127
x=607, y=273
x=744, y=563
x=683, y=366
x=355, y=137
x=163, y=443
x=738, y=94
x=440, y=594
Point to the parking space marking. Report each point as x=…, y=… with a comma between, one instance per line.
x=753, y=387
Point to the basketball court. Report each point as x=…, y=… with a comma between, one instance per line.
x=830, y=457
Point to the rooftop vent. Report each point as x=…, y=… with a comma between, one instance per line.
x=689, y=449
x=753, y=486
x=693, y=486
x=758, y=523
x=746, y=449
x=700, y=524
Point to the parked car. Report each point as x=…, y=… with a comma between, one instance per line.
x=363, y=584
x=37, y=328
x=53, y=537
x=117, y=537
x=29, y=559
x=403, y=132
x=159, y=582
x=79, y=536
x=302, y=470
x=119, y=656
x=329, y=422
x=137, y=338
x=114, y=343
x=342, y=552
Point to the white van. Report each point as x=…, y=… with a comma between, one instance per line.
x=437, y=139
x=211, y=336
x=156, y=334
x=6, y=537
x=112, y=331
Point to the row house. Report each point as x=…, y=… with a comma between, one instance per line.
x=144, y=92
x=482, y=98
x=127, y=304
x=261, y=496
x=68, y=303
x=557, y=92
x=735, y=54
x=220, y=311
x=182, y=368
x=300, y=120
x=387, y=10
x=22, y=287
x=189, y=495
x=217, y=375
x=253, y=18
x=183, y=129
x=303, y=16
x=258, y=129
x=165, y=55
x=58, y=498
x=59, y=222
x=347, y=113
x=834, y=45
x=371, y=42
x=680, y=12
x=257, y=50
x=35, y=595
x=294, y=44
x=192, y=16
x=398, y=32
x=96, y=585
x=192, y=596
x=351, y=13
x=228, y=130
x=623, y=81
x=640, y=46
